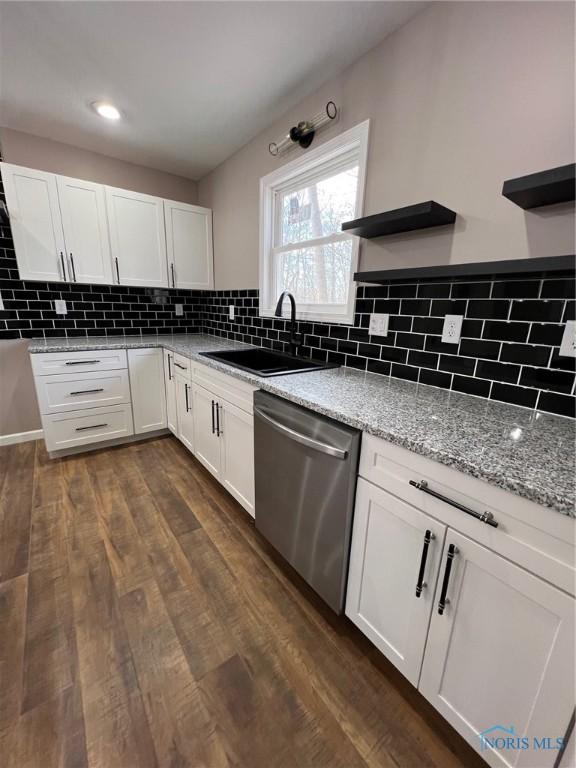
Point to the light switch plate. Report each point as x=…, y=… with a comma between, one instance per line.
x=231, y=311
x=379, y=324
x=179, y=309
x=452, y=329
x=60, y=307
x=568, y=344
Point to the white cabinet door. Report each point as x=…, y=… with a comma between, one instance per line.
x=185, y=412
x=32, y=200
x=207, y=442
x=170, y=385
x=83, y=209
x=500, y=658
x=189, y=245
x=137, y=238
x=394, y=562
x=237, y=436
x=147, y=385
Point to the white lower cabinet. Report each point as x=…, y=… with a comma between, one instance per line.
x=393, y=570
x=184, y=412
x=501, y=654
x=490, y=640
x=206, y=434
x=146, y=368
x=237, y=454
x=170, y=386
x=75, y=429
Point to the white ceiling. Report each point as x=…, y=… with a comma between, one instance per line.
x=195, y=80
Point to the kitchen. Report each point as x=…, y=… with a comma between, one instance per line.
x=288, y=387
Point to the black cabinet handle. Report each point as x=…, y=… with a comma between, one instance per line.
x=421, y=584
x=443, y=602
x=173, y=278
x=484, y=517
x=218, y=430
x=117, y=269
x=182, y=367
x=213, y=422
x=73, y=268
x=63, y=267
x=92, y=426
x=81, y=362
x=186, y=395
x=87, y=391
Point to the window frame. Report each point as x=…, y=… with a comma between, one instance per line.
x=330, y=155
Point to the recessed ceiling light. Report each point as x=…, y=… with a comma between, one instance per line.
x=107, y=110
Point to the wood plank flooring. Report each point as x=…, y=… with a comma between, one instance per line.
x=145, y=623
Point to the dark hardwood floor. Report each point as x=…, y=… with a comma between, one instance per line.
x=144, y=622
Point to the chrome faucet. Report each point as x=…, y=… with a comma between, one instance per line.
x=296, y=339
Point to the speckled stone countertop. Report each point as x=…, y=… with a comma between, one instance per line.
x=528, y=453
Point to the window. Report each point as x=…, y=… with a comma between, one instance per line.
x=302, y=249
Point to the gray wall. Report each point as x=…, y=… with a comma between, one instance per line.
x=462, y=97
x=47, y=155
x=18, y=404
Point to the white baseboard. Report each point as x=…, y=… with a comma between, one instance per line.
x=21, y=437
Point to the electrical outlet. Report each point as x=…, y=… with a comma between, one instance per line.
x=378, y=325
x=231, y=311
x=60, y=307
x=452, y=329
x=568, y=344
x=179, y=309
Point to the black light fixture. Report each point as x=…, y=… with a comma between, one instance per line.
x=303, y=133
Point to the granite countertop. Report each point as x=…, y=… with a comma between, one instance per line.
x=528, y=453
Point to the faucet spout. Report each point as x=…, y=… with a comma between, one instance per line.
x=295, y=338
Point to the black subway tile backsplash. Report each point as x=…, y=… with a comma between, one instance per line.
x=509, y=350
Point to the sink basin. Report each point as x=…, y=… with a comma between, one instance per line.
x=263, y=362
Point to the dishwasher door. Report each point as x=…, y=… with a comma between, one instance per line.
x=305, y=473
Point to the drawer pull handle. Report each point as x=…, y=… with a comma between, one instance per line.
x=82, y=362
x=484, y=517
x=443, y=602
x=92, y=426
x=87, y=391
x=421, y=584
x=182, y=367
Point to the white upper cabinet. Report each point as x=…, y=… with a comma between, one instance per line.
x=137, y=238
x=83, y=209
x=189, y=245
x=32, y=200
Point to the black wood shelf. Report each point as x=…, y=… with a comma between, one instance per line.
x=556, y=266
x=407, y=219
x=557, y=185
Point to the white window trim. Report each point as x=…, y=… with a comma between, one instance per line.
x=355, y=139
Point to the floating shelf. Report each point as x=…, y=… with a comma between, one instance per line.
x=412, y=217
x=557, y=185
x=556, y=266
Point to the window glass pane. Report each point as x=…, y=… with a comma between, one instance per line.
x=317, y=209
x=318, y=275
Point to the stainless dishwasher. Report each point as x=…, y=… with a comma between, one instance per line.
x=305, y=471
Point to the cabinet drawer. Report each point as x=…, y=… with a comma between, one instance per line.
x=539, y=539
x=226, y=387
x=67, y=430
x=181, y=365
x=45, y=363
x=61, y=392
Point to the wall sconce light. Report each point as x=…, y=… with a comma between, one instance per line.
x=303, y=133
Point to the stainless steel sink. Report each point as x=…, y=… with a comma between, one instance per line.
x=263, y=362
